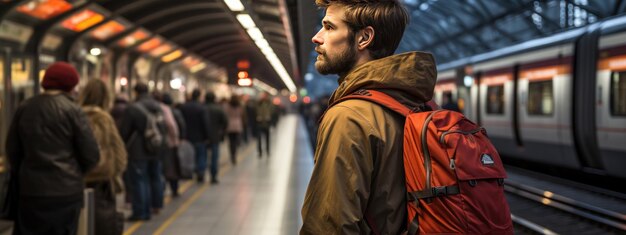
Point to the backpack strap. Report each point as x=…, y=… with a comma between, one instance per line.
x=379, y=98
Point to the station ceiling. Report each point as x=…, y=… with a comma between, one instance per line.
x=208, y=29
x=455, y=29
x=451, y=29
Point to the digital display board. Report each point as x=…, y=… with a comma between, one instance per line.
x=82, y=20
x=107, y=30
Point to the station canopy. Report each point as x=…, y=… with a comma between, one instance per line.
x=455, y=29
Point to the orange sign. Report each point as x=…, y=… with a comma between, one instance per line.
x=161, y=50
x=172, y=56
x=242, y=74
x=615, y=63
x=45, y=9
x=107, y=30
x=136, y=36
x=82, y=20
x=149, y=45
x=189, y=62
x=243, y=64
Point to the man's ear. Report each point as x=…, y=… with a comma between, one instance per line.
x=366, y=37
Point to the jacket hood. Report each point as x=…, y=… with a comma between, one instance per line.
x=409, y=77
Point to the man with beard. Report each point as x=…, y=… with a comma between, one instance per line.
x=358, y=185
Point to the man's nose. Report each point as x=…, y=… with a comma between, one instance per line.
x=317, y=39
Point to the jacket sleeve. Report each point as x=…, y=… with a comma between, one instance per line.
x=86, y=147
x=14, y=143
x=338, y=193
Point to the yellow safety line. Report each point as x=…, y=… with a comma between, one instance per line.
x=167, y=200
x=191, y=200
x=181, y=209
x=133, y=228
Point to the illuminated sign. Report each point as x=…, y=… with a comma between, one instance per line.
x=133, y=38
x=172, y=56
x=244, y=82
x=107, y=30
x=190, y=62
x=242, y=74
x=161, y=50
x=149, y=45
x=44, y=9
x=82, y=20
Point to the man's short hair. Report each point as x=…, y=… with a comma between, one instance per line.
x=141, y=88
x=387, y=17
x=195, y=94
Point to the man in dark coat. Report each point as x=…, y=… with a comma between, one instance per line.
x=50, y=148
x=217, y=123
x=144, y=167
x=197, y=120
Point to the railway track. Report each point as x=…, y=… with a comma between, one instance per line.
x=539, y=211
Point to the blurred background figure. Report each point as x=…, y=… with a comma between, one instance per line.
x=173, y=173
x=449, y=103
x=105, y=178
x=218, y=122
x=144, y=165
x=50, y=147
x=264, y=115
x=197, y=116
x=234, y=112
x=172, y=141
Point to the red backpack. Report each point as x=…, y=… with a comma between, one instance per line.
x=454, y=176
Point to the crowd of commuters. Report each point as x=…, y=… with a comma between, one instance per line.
x=57, y=146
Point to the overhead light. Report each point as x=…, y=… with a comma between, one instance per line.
x=244, y=82
x=234, y=5
x=171, y=56
x=123, y=81
x=176, y=83
x=257, y=36
x=198, y=67
x=255, y=33
x=262, y=44
x=258, y=83
x=95, y=51
x=246, y=21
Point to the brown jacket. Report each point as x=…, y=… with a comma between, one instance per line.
x=358, y=179
x=113, y=156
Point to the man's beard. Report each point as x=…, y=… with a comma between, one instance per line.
x=339, y=65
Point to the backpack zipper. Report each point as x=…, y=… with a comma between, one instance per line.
x=443, y=135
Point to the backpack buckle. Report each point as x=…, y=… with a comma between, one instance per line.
x=439, y=191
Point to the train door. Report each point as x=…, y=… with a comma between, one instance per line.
x=611, y=103
x=496, y=92
x=545, y=112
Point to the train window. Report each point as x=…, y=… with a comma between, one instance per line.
x=540, y=98
x=495, y=99
x=618, y=93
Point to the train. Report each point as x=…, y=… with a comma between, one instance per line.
x=558, y=101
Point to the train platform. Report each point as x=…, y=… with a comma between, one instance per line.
x=257, y=195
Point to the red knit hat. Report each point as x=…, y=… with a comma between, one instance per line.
x=60, y=76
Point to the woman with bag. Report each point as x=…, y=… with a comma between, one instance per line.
x=105, y=178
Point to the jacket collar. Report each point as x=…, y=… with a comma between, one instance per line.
x=409, y=77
